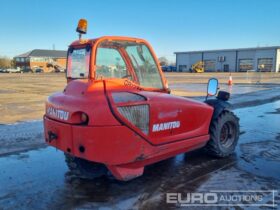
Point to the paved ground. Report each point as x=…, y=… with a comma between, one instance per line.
x=39, y=179
x=22, y=96
x=34, y=176
x=238, y=78
x=21, y=136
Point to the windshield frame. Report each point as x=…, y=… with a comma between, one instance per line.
x=138, y=41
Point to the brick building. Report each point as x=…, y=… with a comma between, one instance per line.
x=48, y=60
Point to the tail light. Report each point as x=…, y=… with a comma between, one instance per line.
x=84, y=118
x=79, y=118
x=137, y=115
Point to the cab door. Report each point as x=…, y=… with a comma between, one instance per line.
x=146, y=68
x=172, y=118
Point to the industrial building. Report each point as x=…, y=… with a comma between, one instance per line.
x=47, y=60
x=265, y=59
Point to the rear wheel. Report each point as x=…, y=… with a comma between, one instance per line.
x=84, y=168
x=224, y=135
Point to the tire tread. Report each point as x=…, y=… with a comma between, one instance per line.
x=212, y=148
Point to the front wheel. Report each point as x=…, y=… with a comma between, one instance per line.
x=224, y=135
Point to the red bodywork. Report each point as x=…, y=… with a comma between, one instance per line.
x=109, y=137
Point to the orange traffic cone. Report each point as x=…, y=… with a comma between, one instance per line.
x=230, y=80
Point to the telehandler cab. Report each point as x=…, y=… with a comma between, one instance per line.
x=116, y=114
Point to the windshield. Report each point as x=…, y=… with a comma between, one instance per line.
x=114, y=58
x=110, y=64
x=78, y=63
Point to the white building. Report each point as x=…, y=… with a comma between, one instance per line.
x=233, y=60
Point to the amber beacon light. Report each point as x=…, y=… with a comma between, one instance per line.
x=82, y=27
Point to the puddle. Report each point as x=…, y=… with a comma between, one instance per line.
x=259, y=147
x=261, y=157
x=235, y=89
x=26, y=178
x=21, y=136
x=277, y=111
x=41, y=178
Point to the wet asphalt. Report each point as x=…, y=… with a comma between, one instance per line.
x=39, y=179
x=235, y=89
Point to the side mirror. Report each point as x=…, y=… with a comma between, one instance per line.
x=212, y=87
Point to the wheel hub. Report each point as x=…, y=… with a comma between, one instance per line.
x=227, y=134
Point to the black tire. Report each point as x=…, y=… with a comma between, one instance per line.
x=224, y=135
x=84, y=168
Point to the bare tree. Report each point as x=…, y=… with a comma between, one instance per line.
x=172, y=63
x=163, y=61
x=5, y=62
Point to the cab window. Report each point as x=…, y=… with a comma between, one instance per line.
x=78, y=63
x=145, y=66
x=110, y=64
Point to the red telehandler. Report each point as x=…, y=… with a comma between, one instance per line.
x=116, y=112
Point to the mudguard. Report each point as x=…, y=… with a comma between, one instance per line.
x=219, y=106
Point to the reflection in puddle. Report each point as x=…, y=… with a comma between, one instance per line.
x=43, y=173
x=235, y=89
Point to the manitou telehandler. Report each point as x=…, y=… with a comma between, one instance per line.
x=116, y=114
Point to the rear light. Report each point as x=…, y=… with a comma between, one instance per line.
x=84, y=118
x=79, y=118
x=137, y=115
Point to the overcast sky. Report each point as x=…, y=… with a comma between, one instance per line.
x=178, y=25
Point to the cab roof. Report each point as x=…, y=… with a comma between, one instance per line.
x=102, y=38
